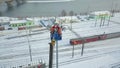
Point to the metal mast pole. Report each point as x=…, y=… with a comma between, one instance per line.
x=56, y=54
x=83, y=42
x=51, y=54
x=73, y=51
x=29, y=46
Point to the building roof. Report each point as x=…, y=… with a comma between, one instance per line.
x=101, y=12
x=18, y=21
x=4, y=19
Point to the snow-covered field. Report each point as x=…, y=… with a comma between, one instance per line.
x=14, y=47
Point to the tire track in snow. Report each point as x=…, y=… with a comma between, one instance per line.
x=86, y=58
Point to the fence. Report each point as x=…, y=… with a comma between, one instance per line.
x=37, y=64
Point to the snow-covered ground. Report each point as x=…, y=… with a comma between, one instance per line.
x=14, y=47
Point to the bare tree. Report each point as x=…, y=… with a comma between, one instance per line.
x=9, y=4
x=0, y=13
x=64, y=13
x=76, y=14
x=71, y=13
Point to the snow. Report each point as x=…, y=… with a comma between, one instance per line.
x=94, y=63
x=14, y=49
x=101, y=12
x=18, y=21
x=91, y=60
x=4, y=19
